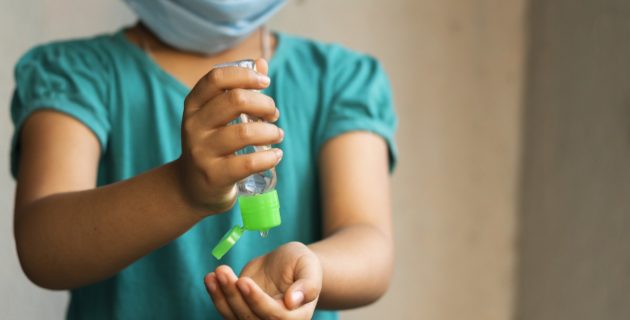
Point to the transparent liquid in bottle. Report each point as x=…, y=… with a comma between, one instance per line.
x=260, y=182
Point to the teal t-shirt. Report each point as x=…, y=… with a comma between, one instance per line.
x=135, y=110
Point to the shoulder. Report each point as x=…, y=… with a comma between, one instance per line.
x=70, y=76
x=332, y=60
x=67, y=56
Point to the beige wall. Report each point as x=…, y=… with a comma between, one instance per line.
x=575, y=222
x=456, y=67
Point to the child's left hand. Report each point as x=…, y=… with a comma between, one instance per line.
x=284, y=284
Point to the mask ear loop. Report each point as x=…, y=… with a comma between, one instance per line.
x=264, y=42
x=145, y=47
x=144, y=43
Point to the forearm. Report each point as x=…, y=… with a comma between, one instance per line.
x=76, y=238
x=357, y=263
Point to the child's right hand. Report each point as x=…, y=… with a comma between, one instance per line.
x=208, y=168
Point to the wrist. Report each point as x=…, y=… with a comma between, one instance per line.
x=179, y=187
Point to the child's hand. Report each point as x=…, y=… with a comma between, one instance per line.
x=208, y=167
x=284, y=284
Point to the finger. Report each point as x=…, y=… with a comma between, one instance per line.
x=236, y=168
x=227, y=283
x=217, y=296
x=307, y=281
x=299, y=293
x=220, y=79
x=227, y=140
x=228, y=106
x=263, y=305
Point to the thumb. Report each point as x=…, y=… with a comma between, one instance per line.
x=300, y=293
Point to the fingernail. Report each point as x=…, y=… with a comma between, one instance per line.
x=243, y=287
x=278, y=153
x=276, y=116
x=297, y=297
x=281, y=133
x=264, y=80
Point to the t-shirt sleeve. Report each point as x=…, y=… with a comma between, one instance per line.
x=361, y=101
x=65, y=78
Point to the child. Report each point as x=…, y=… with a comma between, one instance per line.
x=125, y=168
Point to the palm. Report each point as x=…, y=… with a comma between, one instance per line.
x=283, y=284
x=275, y=272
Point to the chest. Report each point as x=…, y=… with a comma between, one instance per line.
x=146, y=114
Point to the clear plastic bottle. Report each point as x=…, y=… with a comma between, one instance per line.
x=257, y=197
x=260, y=182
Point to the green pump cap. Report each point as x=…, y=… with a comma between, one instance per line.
x=260, y=212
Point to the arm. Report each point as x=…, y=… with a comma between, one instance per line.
x=69, y=233
x=350, y=267
x=357, y=252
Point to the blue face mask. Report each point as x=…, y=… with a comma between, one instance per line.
x=204, y=26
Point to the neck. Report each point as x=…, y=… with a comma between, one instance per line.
x=188, y=66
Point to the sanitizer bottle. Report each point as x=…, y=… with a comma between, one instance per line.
x=257, y=197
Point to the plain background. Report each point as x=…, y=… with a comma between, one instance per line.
x=574, y=217
x=457, y=69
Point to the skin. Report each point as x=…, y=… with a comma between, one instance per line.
x=69, y=233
